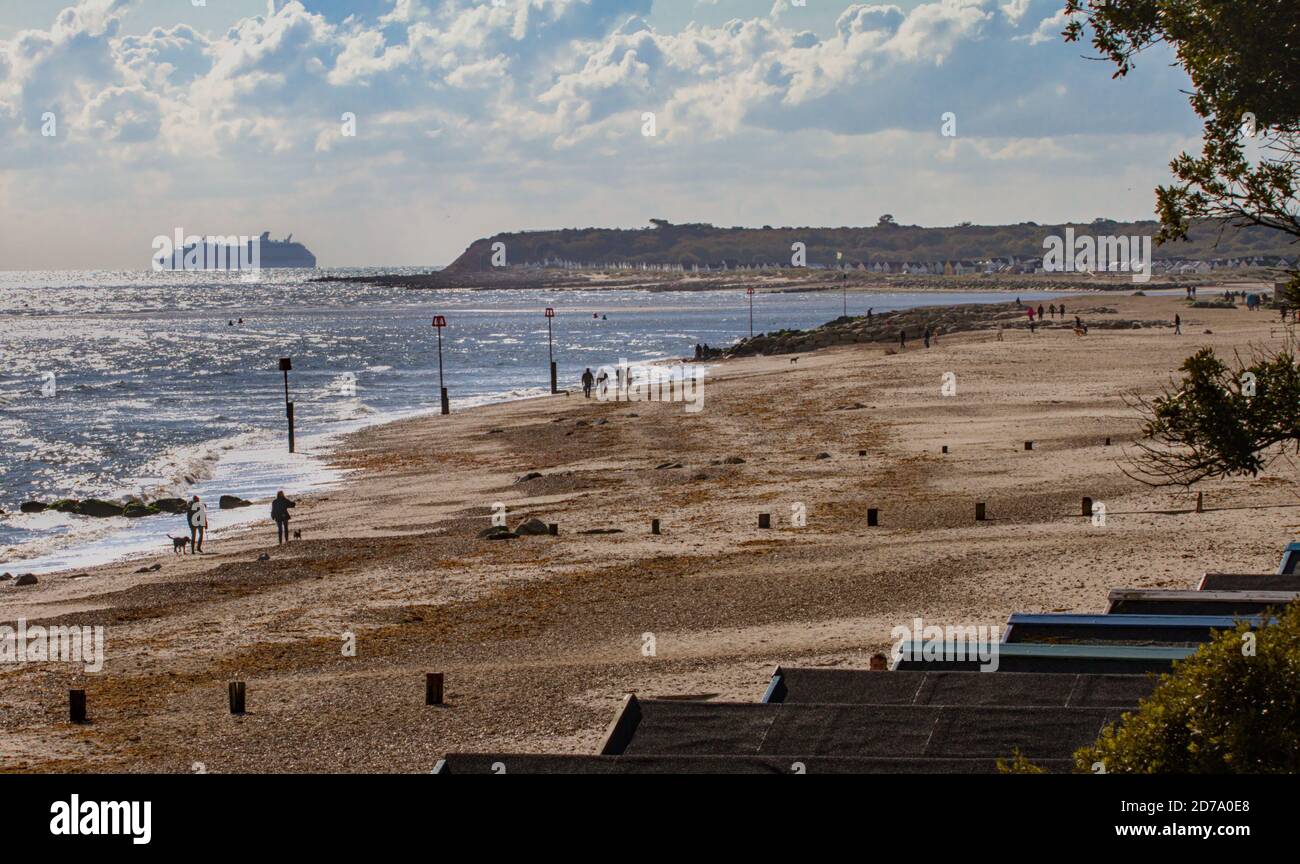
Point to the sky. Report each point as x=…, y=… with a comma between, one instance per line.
x=396, y=132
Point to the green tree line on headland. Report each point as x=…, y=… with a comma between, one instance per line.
x=703, y=245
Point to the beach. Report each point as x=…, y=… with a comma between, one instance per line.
x=541, y=637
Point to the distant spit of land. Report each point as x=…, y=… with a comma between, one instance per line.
x=889, y=256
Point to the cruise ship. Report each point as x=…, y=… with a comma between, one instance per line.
x=240, y=253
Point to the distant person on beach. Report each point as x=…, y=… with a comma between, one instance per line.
x=1040, y=312
x=1018, y=303
x=999, y=331
x=280, y=515
x=1178, y=325
x=1052, y=310
x=588, y=379
x=869, y=309
x=902, y=338
x=925, y=337
x=1030, y=313
x=197, y=515
x=1062, y=310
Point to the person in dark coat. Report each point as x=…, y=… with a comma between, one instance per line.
x=588, y=379
x=280, y=513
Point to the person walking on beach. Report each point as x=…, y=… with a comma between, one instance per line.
x=902, y=338
x=925, y=337
x=1062, y=310
x=197, y=514
x=1052, y=310
x=588, y=379
x=1178, y=325
x=1040, y=311
x=280, y=515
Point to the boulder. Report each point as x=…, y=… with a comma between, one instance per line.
x=170, y=505
x=25, y=579
x=32, y=507
x=135, y=510
x=5, y=577
x=531, y=528
x=232, y=502
x=497, y=532
x=66, y=505
x=99, y=509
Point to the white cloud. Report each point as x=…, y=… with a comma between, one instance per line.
x=453, y=96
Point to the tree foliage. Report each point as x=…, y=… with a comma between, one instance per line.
x=1233, y=707
x=1219, y=420
x=1242, y=58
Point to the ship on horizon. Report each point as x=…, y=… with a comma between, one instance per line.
x=231, y=253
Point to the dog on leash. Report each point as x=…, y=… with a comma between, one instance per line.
x=178, y=544
x=297, y=535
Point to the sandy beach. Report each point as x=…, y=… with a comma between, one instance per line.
x=540, y=637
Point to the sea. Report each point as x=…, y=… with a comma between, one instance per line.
x=148, y=384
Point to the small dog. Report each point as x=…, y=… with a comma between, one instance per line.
x=794, y=359
x=178, y=544
x=297, y=535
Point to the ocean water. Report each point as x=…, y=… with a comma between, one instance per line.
x=124, y=383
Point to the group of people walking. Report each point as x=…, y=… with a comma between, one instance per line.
x=196, y=519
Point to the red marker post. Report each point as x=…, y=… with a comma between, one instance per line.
x=550, y=347
x=750, y=292
x=438, y=323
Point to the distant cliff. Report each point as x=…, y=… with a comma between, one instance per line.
x=704, y=245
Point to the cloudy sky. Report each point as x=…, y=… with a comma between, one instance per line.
x=478, y=116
